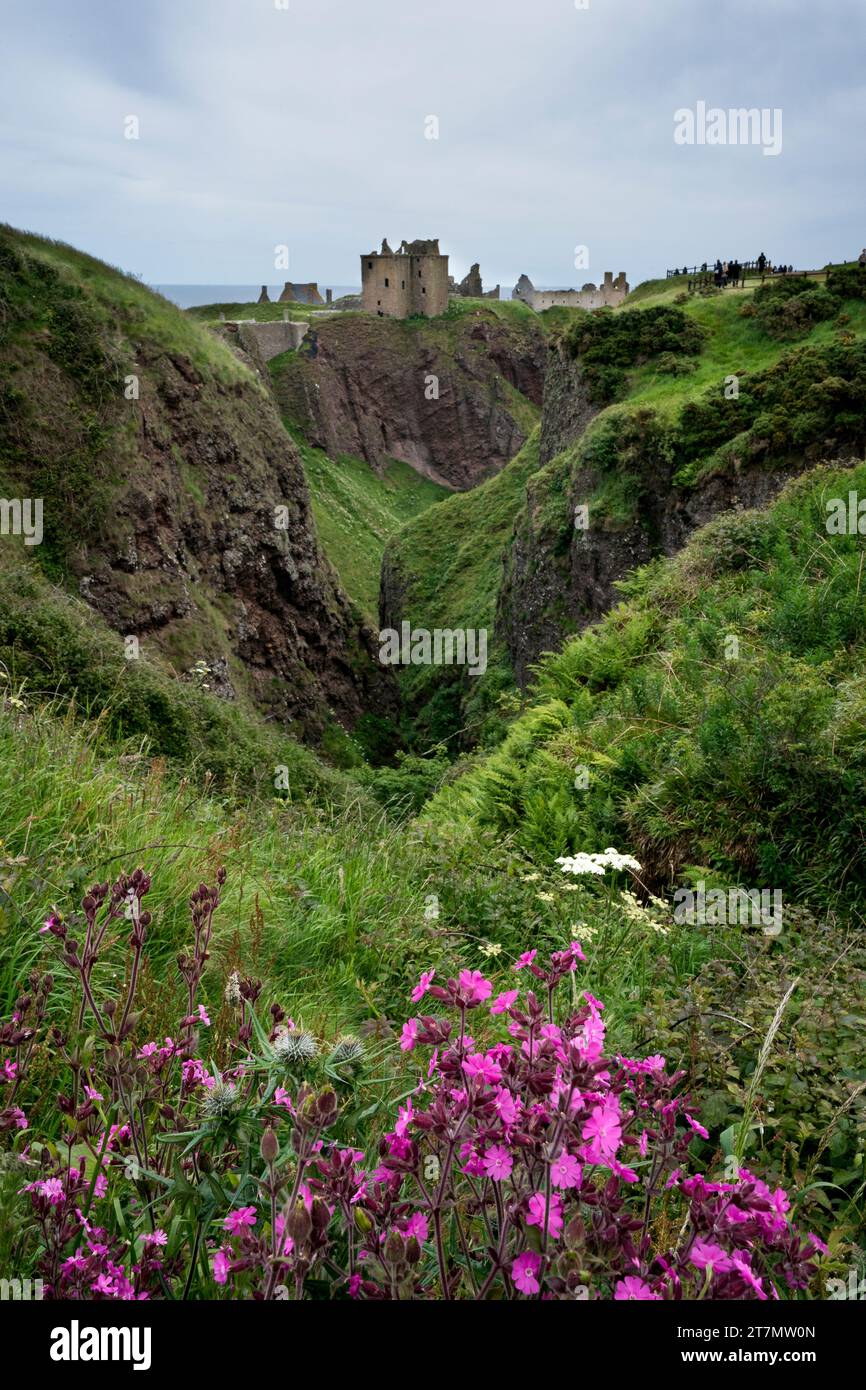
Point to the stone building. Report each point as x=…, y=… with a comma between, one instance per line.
x=413, y=280
x=301, y=294
x=607, y=295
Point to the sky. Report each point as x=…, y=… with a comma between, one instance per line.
x=306, y=126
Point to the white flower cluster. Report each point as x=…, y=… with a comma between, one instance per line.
x=582, y=863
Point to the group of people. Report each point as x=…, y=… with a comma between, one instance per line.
x=733, y=273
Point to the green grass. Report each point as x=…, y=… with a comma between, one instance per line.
x=262, y=313
x=53, y=271
x=356, y=512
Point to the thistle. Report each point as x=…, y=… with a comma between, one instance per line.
x=221, y=1101
x=348, y=1051
x=295, y=1046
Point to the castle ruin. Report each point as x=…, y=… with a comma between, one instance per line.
x=413, y=280
x=607, y=295
x=470, y=286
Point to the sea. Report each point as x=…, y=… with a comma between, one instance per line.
x=189, y=296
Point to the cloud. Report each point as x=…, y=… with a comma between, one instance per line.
x=261, y=126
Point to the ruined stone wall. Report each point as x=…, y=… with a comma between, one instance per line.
x=606, y=295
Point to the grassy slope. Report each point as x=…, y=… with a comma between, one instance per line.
x=753, y=766
x=357, y=512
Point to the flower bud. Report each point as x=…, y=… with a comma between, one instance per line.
x=269, y=1146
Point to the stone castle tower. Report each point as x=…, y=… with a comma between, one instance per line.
x=413, y=280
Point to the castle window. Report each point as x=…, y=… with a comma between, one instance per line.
x=369, y=265
x=387, y=282
x=402, y=284
x=423, y=289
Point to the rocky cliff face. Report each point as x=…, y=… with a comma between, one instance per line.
x=174, y=499
x=453, y=398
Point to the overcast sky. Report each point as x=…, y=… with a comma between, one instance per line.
x=260, y=126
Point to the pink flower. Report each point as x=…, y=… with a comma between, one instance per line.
x=603, y=1131
x=498, y=1163
x=699, y=1129
x=203, y=1018
x=474, y=988
x=282, y=1097
x=100, y=1187
x=705, y=1252
x=524, y=1272
x=482, y=1067
x=526, y=959
x=591, y=999
x=422, y=986
x=565, y=1171
x=220, y=1267
x=236, y=1220
x=105, y=1286
x=354, y=1285
x=93, y=1095
x=52, y=1190
x=404, y=1117
x=633, y=1288
x=416, y=1226
x=643, y=1144
x=408, y=1035
x=504, y=1001
x=538, y=1212
x=10, y=1069
x=506, y=1106
x=156, y=1237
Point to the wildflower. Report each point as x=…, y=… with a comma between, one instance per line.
x=507, y=1106
x=498, y=1163
x=565, y=1171
x=699, y=1129
x=539, y=1216
x=92, y=1094
x=546, y=897
x=220, y=1267
x=504, y=1001
x=282, y=1097
x=603, y=1131
x=526, y=959
x=408, y=1035
x=482, y=1067
x=52, y=1190
x=232, y=993
x=491, y=949
x=157, y=1237
x=631, y=1288
x=203, y=1016
x=416, y=1226
x=474, y=988
x=235, y=1222
x=705, y=1253
x=422, y=986
x=580, y=864
x=524, y=1272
